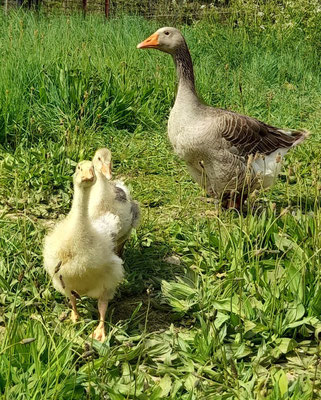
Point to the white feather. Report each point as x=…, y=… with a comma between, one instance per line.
x=269, y=167
x=107, y=224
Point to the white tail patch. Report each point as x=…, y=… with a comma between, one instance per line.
x=289, y=133
x=269, y=167
x=304, y=135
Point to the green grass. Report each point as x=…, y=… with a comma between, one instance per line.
x=238, y=314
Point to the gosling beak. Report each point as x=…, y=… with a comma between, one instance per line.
x=150, y=42
x=106, y=171
x=88, y=176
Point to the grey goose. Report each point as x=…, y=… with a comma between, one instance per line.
x=227, y=153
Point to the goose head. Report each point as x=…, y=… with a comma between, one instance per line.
x=84, y=175
x=102, y=162
x=165, y=39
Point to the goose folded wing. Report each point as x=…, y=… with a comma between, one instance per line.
x=251, y=136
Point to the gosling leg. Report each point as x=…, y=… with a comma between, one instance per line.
x=99, y=332
x=74, y=313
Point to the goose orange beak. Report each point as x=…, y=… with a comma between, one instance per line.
x=150, y=42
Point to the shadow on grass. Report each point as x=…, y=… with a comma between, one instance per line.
x=145, y=268
x=306, y=203
x=138, y=299
x=143, y=312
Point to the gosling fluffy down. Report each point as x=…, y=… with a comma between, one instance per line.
x=108, y=196
x=76, y=255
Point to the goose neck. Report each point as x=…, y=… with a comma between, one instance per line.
x=186, y=82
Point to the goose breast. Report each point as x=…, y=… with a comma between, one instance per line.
x=191, y=135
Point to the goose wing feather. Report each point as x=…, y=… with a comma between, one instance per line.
x=249, y=135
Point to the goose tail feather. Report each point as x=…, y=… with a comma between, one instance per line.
x=300, y=136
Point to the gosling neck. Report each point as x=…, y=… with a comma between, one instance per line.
x=79, y=208
x=186, y=92
x=103, y=185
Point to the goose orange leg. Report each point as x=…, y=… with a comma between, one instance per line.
x=234, y=201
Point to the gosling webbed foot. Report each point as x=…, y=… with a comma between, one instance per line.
x=99, y=333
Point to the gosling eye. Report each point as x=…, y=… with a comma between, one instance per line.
x=99, y=158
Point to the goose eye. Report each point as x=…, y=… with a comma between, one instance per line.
x=99, y=158
x=166, y=33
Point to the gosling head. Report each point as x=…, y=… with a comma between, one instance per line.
x=102, y=162
x=84, y=175
x=165, y=39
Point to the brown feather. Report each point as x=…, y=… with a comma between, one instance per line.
x=250, y=135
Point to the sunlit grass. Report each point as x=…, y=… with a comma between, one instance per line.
x=215, y=304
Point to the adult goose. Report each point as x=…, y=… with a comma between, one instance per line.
x=80, y=259
x=227, y=153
